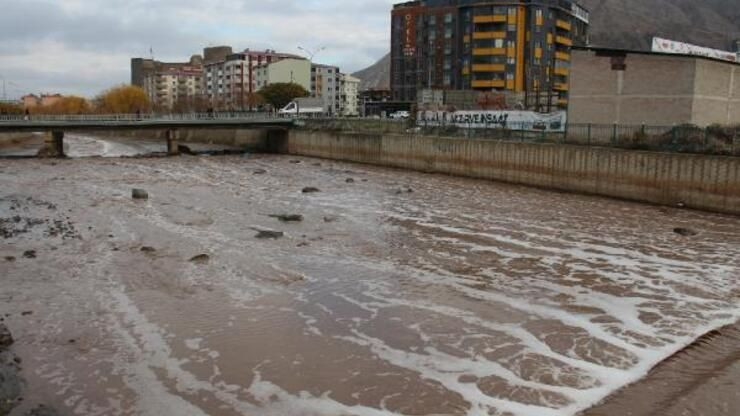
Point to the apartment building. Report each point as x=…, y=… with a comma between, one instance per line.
x=326, y=84
x=520, y=46
x=289, y=70
x=169, y=83
x=349, y=94
x=175, y=88
x=231, y=78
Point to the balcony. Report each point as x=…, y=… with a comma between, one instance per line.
x=489, y=35
x=562, y=24
x=563, y=56
x=490, y=83
x=489, y=51
x=560, y=86
x=489, y=68
x=498, y=18
x=562, y=71
x=563, y=41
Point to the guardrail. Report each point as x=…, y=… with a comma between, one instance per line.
x=137, y=117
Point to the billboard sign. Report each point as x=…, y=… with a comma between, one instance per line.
x=669, y=46
x=580, y=13
x=409, y=33
x=514, y=120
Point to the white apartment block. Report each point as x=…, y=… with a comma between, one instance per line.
x=349, y=93
x=231, y=83
x=166, y=89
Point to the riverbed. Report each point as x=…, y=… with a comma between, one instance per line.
x=399, y=293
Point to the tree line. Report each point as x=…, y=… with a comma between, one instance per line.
x=129, y=99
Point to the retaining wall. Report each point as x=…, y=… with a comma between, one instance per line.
x=704, y=182
x=246, y=138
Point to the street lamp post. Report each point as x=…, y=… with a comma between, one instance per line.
x=311, y=53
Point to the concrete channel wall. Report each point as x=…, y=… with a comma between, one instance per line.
x=704, y=182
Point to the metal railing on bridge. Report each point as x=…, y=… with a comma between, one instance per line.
x=132, y=118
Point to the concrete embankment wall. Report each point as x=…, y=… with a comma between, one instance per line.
x=704, y=182
x=9, y=139
x=248, y=139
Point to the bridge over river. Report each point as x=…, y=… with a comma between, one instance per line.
x=56, y=126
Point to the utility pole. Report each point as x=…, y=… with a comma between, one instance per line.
x=5, y=92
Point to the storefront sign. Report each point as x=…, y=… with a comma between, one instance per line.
x=669, y=46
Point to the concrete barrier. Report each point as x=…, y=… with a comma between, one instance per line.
x=710, y=183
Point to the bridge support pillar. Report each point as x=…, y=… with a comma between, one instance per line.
x=173, y=147
x=53, y=144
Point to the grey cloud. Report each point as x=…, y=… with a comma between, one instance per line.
x=63, y=32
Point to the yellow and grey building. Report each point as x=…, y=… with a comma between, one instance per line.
x=497, y=45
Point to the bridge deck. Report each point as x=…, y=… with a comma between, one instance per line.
x=134, y=122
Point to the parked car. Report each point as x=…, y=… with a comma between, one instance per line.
x=400, y=115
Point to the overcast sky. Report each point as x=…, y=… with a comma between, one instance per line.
x=84, y=46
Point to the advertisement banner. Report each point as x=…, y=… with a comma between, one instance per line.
x=669, y=46
x=483, y=119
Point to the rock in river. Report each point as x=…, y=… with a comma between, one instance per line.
x=267, y=234
x=201, y=259
x=6, y=339
x=310, y=190
x=685, y=232
x=42, y=411
x=288, y=217
x=139, y=194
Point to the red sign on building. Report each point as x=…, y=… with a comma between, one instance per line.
x=409, y=35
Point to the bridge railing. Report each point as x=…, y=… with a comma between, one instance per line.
x=132, y=118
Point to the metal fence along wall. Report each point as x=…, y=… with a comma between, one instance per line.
x=681, y=139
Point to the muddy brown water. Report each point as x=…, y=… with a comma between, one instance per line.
x=461, y=297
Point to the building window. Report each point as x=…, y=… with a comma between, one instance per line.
x=448, y=18
x=432, y=20
x=512, y=28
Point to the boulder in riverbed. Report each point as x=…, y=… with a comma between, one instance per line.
x=685, y=232
x=6, y=339
x=42, y=411
x=30, y=254
x=288, y=217
x=310, y=190
x=139, y=194
x=201, y=259
x=267, y=234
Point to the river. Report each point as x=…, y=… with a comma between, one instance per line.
x=399, y=293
